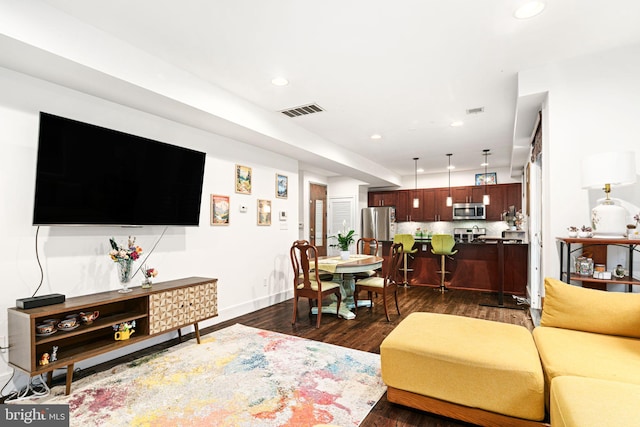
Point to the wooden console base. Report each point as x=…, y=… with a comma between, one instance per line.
x=168, y=306
x=458, y=412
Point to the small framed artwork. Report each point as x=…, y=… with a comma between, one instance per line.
x=219, y=210
x=243, y=179
x=282, y=186
x=488, y=178
x=264, y=212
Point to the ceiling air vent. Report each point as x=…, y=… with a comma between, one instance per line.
x=475, y=110
x=303, y=110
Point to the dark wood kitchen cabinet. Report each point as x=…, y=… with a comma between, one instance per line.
x=442, y=212
x=383, y=198
x=402, y=207
x=467, y=194
x=502, y=197
x=433, y=201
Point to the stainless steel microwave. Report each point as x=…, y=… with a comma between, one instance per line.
x=469, y=211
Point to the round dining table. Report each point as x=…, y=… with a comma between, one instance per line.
x=346, y=269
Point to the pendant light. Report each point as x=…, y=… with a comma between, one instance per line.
x=416, y=200
x=485, y=199
x=449, y=198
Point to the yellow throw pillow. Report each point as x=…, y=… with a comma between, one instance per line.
x=573, y=307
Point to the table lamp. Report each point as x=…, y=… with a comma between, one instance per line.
x=604, y=170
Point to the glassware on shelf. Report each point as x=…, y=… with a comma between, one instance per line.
x=125, y=266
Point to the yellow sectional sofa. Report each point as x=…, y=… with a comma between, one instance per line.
x=591, y=402
x=589, y=334
x=470, y=369
x=582, y=363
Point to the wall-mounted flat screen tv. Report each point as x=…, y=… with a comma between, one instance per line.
x=90, y=175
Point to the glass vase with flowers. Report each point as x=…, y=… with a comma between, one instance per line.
x=124, y=257
x=148, y=274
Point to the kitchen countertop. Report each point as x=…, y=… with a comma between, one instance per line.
x=489, y=240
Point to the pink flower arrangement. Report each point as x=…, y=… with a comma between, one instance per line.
x=149, y=272
x=119, y=253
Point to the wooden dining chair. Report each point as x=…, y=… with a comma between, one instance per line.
x=307, y=282
x=386, y=284
x=367, y=246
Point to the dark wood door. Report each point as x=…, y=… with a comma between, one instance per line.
x=318, y=217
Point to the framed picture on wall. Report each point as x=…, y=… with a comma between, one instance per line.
x=282, y=186
x=243, y=179
x=219, y=210
x=488, y=178
x=264, y=212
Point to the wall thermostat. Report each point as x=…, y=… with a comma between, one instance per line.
x=243, y=208
x=283, y=215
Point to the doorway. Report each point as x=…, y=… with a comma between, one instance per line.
x=318, y=217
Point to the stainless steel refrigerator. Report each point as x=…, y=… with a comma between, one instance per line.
x=379, y=223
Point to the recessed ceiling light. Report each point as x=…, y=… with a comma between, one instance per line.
x=456, y=123
x=529, y=9
x=376, y=136
x=280, y=81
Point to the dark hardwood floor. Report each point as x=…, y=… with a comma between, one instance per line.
x=366, y=332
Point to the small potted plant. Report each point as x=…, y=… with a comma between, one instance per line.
x=585, y=232
x=344, y=241
x=573, y=231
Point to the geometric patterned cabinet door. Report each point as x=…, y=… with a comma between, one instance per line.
x=181, y=307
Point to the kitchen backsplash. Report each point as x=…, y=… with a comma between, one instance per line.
x=494, y=228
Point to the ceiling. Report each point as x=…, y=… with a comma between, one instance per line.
x=402, y=69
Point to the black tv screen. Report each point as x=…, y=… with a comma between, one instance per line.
x=90, y=175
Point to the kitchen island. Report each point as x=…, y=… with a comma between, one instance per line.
x=474, y=267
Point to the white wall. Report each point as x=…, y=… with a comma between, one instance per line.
x=458, y=178
x=251, y=262
x=593, y=106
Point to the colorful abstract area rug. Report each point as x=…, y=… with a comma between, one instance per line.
x=238, y=376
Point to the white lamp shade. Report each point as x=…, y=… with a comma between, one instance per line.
x=615, y=168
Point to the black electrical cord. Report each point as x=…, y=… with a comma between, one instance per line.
x=6, y=384
x=39, y=265
x=142, y=264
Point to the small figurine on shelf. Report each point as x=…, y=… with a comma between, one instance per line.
x=124, y=330
x=619, y=272
x=54, y=354
x=44, y=359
